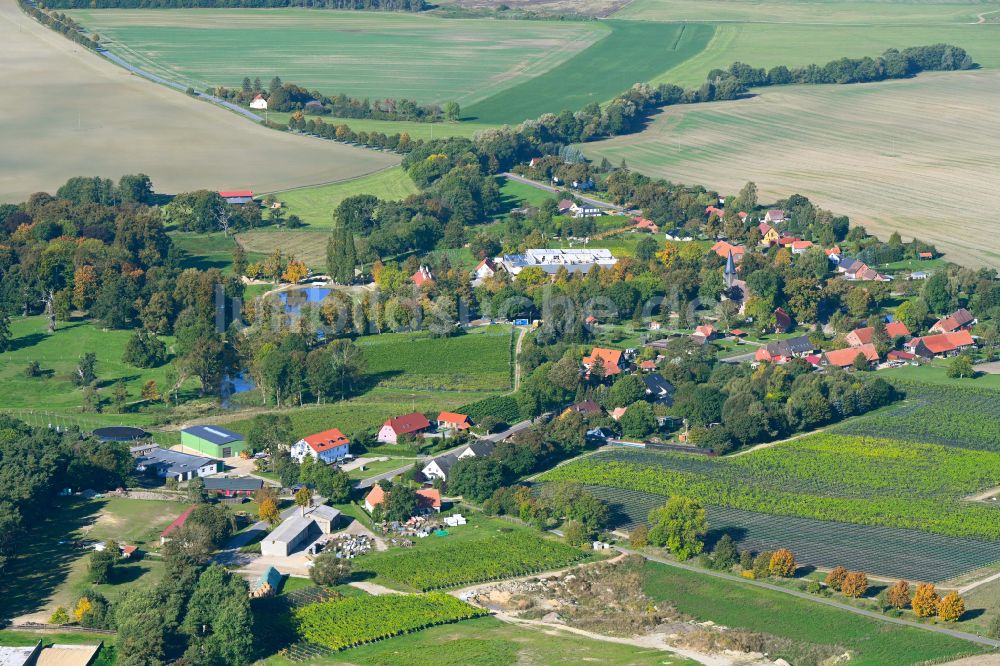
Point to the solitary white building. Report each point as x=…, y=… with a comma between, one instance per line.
x=575, y=260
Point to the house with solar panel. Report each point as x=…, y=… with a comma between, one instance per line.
x=213, y=440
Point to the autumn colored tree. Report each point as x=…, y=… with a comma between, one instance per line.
x=151, y=392
x=82, y=608
x=269, y=511
x=898, y=596
x=855, y=584
x=782, y=563
x=951, y=607
x=925, y=600
x=294, y=271
x=835, y=578
x=59, y=616
x=303, y=498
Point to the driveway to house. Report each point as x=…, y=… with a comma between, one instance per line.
x=495, y=437
x=988, y=368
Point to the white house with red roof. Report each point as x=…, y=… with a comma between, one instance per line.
x=774, y=216
x=427, y=498
x=486, y=269
x=259, y=103
x=407, y=424
x=453, y=421
x=422, y=276
x=328, y=446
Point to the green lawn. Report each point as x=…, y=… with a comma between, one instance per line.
x=364, y=413
x=936, y=372
x=739, y=605
x=204, y=251
x=632, y=52
x=379, y=467
x=48, y=574
x=315, y=205
x=362, y=54
x=491, y=642
x=478, y=360
x=517, y=194
x=58, y=355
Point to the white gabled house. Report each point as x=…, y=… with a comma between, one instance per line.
x=328, y=446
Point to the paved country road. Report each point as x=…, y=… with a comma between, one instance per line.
x=556, y=190
x=179, y=86
x=496, y=437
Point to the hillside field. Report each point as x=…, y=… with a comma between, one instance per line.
x=362, y=54
x=315, y=205
x=872, y=151
x=78, y=114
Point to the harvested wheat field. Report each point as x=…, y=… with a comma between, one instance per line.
x=917, y=156
x=73, y=114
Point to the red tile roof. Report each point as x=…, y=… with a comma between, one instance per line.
x=943, y=342
x=898, y=355
x=460, y=421
x=860, y=336
x=612, y=360
x=422, y=276
x=722, y=248
x=375, y=497
x=236, y=193
x=430, y=496
x=326, y=440
x=845, y=357
x=705, y=330
x=178, y=521
x=408, y=423
x=896, y=329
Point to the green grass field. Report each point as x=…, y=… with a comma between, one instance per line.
x=738, y=605
x=315, y=205
x=418, y=361
x=361, y=54
x=365, y=413
x=58, y=355
x=633, y=52
x=491, y=642
x=48, y=574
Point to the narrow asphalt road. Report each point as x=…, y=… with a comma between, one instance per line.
x=556, y=190
x=496, y=437
x=981, y=640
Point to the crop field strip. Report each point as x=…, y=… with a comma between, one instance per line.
x=78, y=114
x=362, y=54
x=886, y=551
x=633, y=52
x=827, y=477
x=963, y=417
x=869, y=151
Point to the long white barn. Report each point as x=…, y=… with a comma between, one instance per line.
x=576, y=260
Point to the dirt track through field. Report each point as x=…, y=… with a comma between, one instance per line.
x=72, y=113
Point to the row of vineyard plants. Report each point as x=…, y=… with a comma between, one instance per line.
x=469, y=562
x=353, y=621
x=825, y=477
x=963, y=417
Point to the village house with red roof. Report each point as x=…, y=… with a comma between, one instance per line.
x=940, y=344
x=328, y=446
x=427, y=498
x=422, y=276
x=723, y=248
x=407, y=424
x=612, y=359
x=453, y=421
x=844, y=358
x=957, y=320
